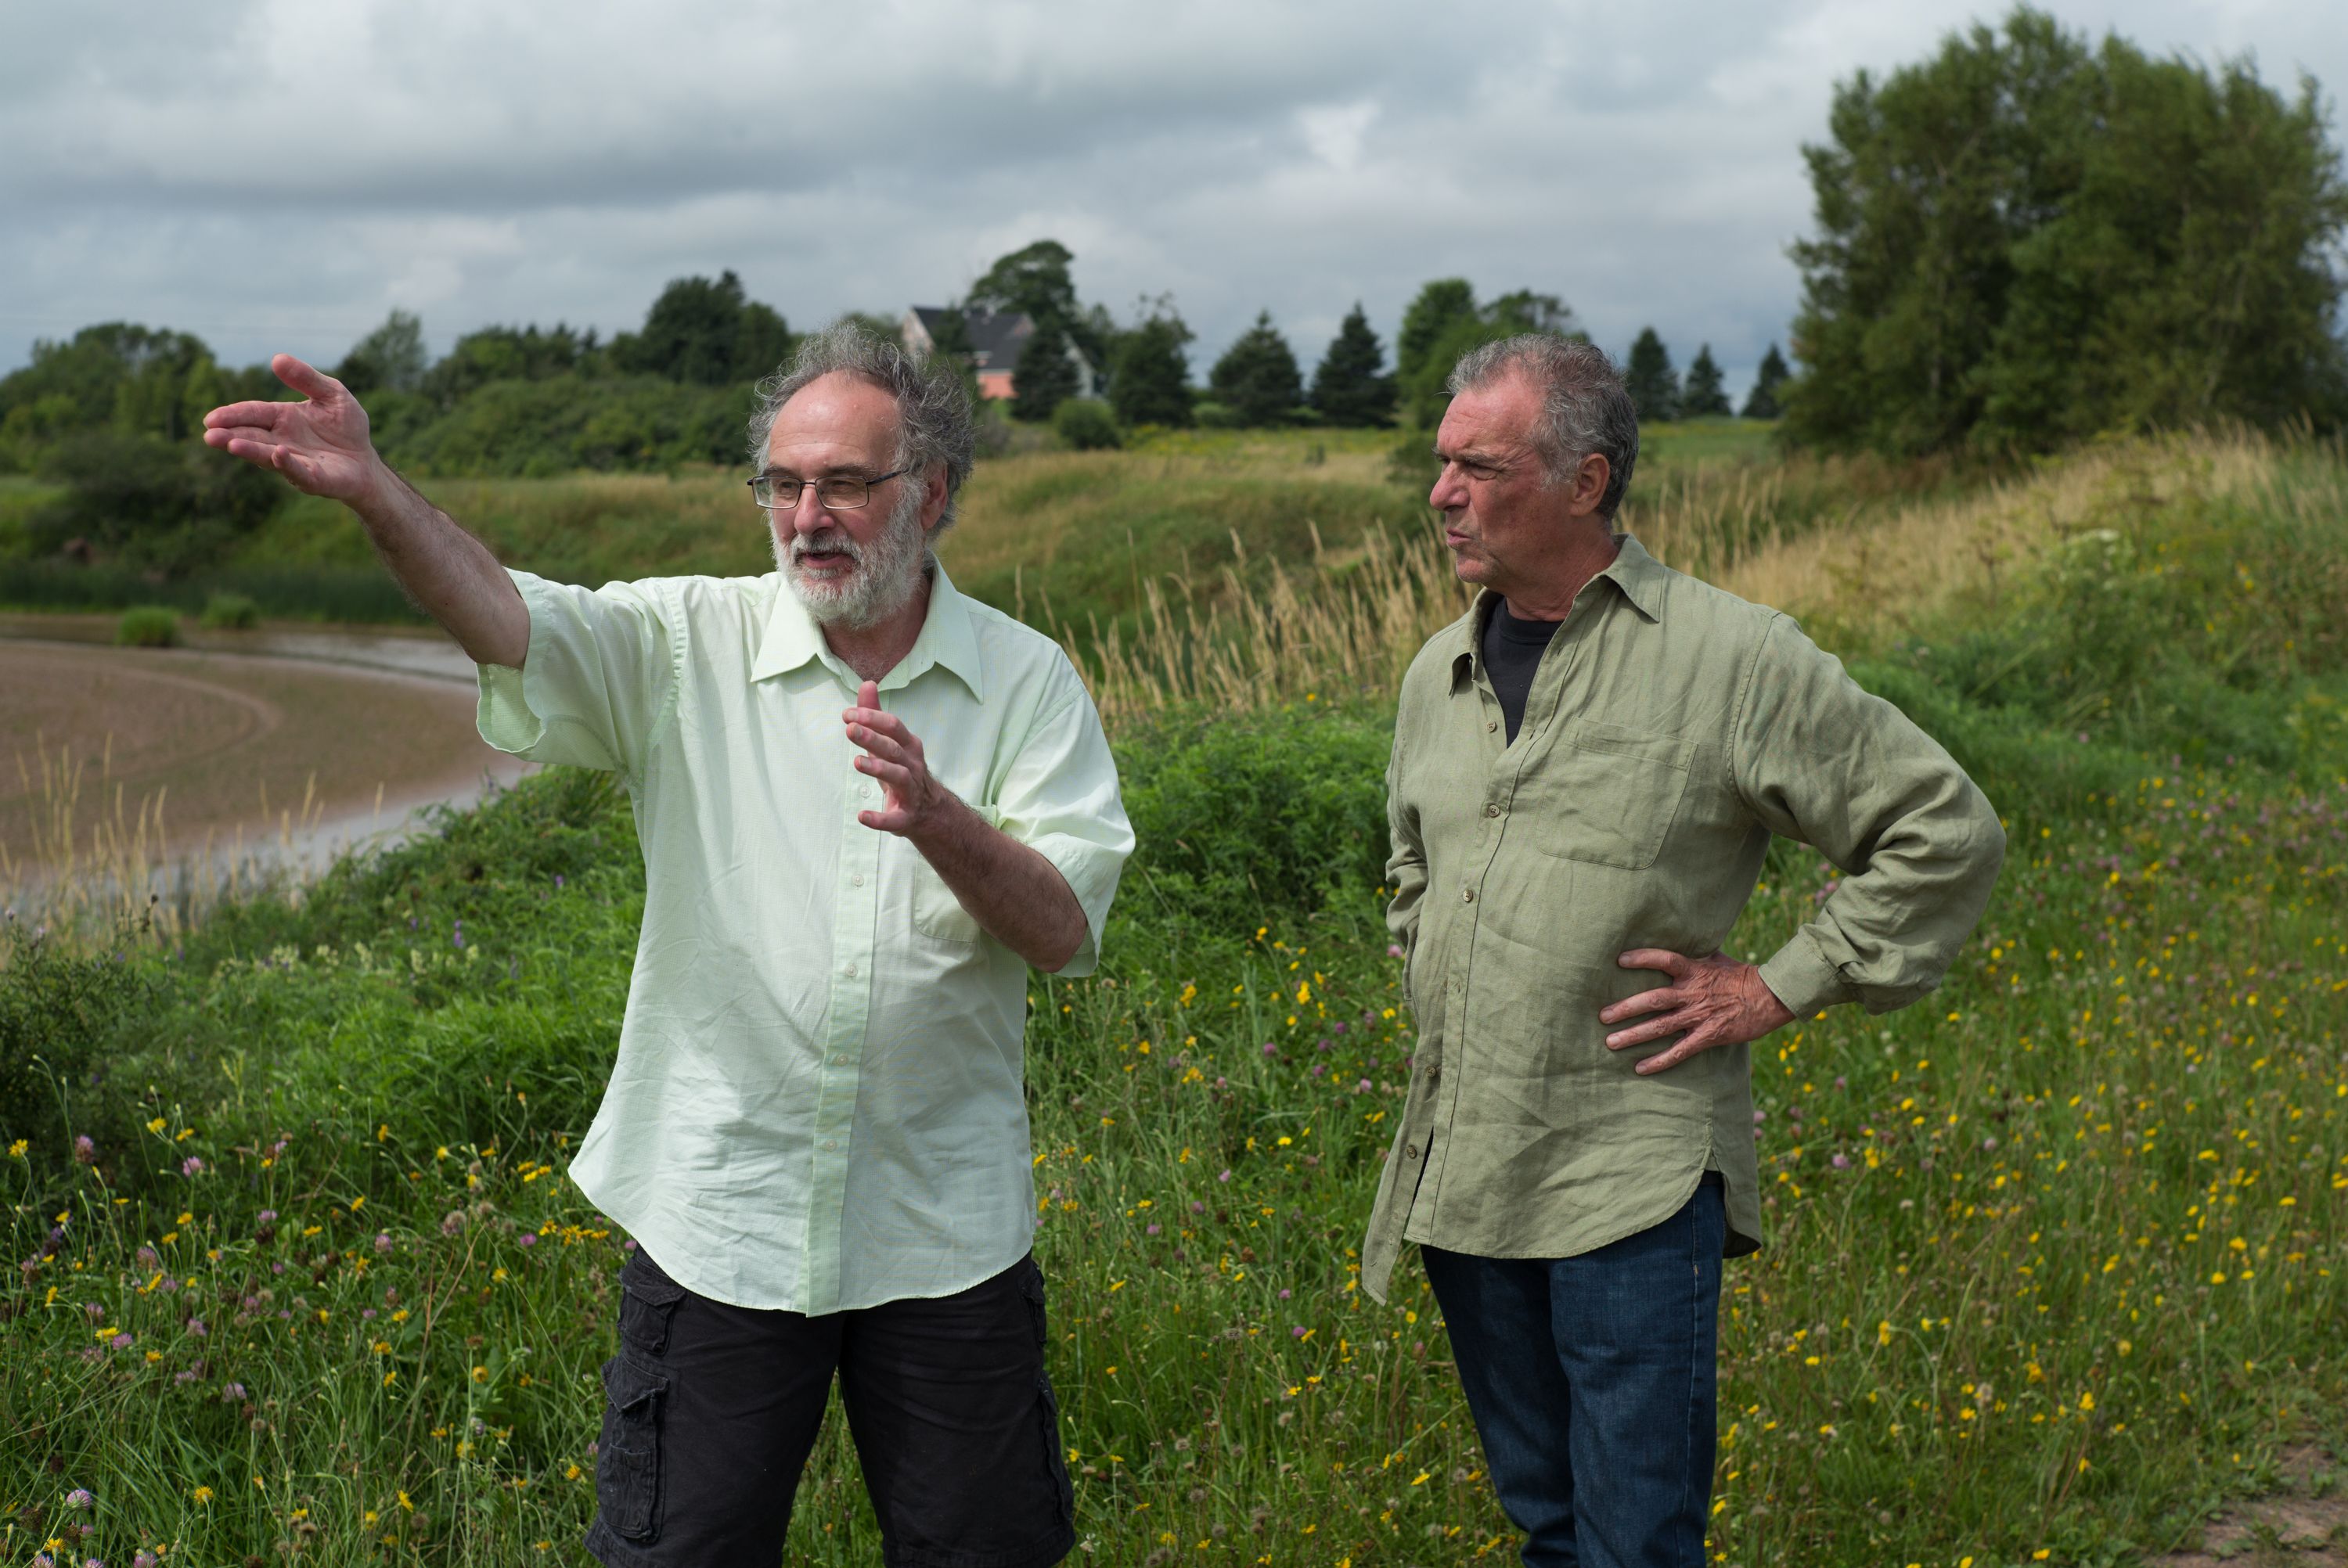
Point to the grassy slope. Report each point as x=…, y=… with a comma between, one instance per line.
x=2057, y=1257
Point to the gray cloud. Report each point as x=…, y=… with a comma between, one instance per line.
x=281, y=174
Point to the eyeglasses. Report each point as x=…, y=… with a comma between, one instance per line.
x=834, y=492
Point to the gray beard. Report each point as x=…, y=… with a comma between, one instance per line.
x=888, y=570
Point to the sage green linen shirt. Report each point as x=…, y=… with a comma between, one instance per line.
x=818, y=1100
x=1671, y=729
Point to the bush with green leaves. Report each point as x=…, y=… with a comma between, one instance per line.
x=230, y=613
x=1086, y=425
x=148, y=626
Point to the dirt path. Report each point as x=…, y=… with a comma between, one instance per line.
x=232, y=746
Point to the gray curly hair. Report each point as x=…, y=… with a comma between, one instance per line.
x=934, y=418
x=1585, y=407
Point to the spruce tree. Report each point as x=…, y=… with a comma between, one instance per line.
x=1702, y=397
x=1045, y=376
x=1150, y=383
x=1257, y=377
x=1763, y=402
x=1348, y=389
x=1649, y=378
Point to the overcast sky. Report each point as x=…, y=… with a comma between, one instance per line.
x=281, y=174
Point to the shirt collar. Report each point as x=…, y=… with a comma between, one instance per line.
x=1638, y=575
x=948, y=639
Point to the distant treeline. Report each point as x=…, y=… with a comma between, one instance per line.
x=2026, y=241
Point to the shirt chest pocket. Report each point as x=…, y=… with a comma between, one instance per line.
x=1605, y=793
x=937, y=913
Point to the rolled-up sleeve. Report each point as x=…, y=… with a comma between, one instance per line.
x=599, y=676
x=1059, y=797
x=1819, y=759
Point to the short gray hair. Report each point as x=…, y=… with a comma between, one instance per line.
x=1585, y=408
x=934, y=418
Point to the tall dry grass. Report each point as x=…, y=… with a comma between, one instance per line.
x=1348, y=621
x=97, y=863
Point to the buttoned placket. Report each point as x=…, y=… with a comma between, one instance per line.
x=1504, y=765
x=855, y=920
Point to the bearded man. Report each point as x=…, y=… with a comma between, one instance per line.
x=868, y=806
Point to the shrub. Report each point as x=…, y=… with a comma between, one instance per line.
x=148, y=626
x=1209, y=415
x=232, y=612
x=1086, y=425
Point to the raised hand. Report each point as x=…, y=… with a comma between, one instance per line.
x=1711, y=1001
x=910, y=796
x=321, y=445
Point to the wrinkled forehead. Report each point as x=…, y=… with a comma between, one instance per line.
x=835, y=421
x=1494, y=420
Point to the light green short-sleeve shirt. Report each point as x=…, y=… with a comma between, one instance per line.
x=817, y=1102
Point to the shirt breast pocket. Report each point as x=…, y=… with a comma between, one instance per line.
x=1606, y=793
x=937, y=913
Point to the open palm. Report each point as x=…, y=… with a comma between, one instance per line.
x=320, y=444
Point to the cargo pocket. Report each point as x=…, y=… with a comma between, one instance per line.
x=648, y=1300
x=627, y=1457
x=1047, y=1403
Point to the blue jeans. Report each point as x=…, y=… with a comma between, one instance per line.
x=1592, y=1382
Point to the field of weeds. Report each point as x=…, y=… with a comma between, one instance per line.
x=2056, y=1261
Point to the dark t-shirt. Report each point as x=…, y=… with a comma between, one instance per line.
x=1512, y=652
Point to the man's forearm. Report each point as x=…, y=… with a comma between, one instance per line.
x=1019, y=897
x=450, y=575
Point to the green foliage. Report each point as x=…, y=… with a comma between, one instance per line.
x=2028, y=240
x=148, y=626
x=1045, y=376
x=1460, y=325
x=1438, y=307
x=707, y=333
x=505, y=353
x=950, y=343
x=1149, y=384
x=1769, y=382
x=1650, y=379
x=1086, y=425
x=1350, y=388
x=63, y=1068
x=567, y=422
x=390, y=359
x=1282, y=813
x=1257, y=378
x=230, y=613
x=149, y=502
x=1701, y=397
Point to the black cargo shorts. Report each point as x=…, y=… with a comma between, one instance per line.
x=710, y=1411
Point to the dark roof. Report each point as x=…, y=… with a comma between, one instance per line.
x=995, y=337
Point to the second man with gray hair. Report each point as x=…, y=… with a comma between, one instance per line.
x=868, y=806
x=1588, y=768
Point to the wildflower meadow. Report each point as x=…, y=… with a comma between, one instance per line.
x=2056, y=1261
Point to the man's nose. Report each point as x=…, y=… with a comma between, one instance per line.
x=1449, y=490
x=810, y=515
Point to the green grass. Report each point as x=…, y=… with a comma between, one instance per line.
x=2056, y=1259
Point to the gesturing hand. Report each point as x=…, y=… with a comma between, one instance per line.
x=321, y=445
x=1710, y=1001
x=910, y=796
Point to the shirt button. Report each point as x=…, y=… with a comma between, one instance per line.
x=850, y=971
x=1411, y=1152
x=1491, y=724
x=864, y=791
x=1434, y=1072
x=840, y=1062
x=1491, y=808
x=1467, y=894
x=856, y=880
x=831, y=1144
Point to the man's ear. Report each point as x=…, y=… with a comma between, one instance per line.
x=934, y=497
x=1590, y=482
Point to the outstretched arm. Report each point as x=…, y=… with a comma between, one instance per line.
x=322, y=448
